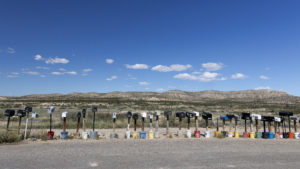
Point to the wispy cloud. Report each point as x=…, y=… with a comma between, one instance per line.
x=174, y=67
x=63, y=73
x=111, y=78
x=31, y=73
x=38, y=57
x=12, y=76
x=42, y=67
x=137, y=66
x=204, y=77
x=212, y=66
x=238, y=76
x=11, y=50
x=160, y=89
x=263, y=88
x=264, y=77
x=109, y=61
x=144, y=83
x=86, y=71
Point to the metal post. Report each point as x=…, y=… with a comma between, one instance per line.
x=196, y=121
x=143, y=121
x=78, y=121
x=189, y=120
x=114, y=121
x=264, y=126
x=289, y=123
x=206, y=123
x=26, y=126
x=217, y=124
x=180, y=123
x=50, y=122
x=134, y=124
x=245, y=126
x=256, y=124
x=168, y=125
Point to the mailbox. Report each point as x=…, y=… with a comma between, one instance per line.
x=167, y=113
x=286, y=113
x=267, y=118
x=83, y=113
x=150, y=116
x=295, y=118
x=230, y=116
x=64, y=114
x=21, y=113
x=196, y=114
x=277, y=119
x=129, y=114
x=94, y=109
x=79, y=115
x=237, y=117
x=157, y=113
x=28, y=109
x=246, y=116
x=144, y=114
x=9, y=112
x=135, y=116
x=35, y=115
x=51, y=109
x=180, y=114
x=223, y=117
x=189, y=115
x=114, y=115
x=255, y=116
x=207, y=116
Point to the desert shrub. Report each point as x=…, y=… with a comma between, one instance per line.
x=9, y=137
x=40, y=135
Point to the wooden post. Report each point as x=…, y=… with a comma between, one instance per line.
x=50, y=122
x=65, y=124
x=8, y=120
x=20, y=118
x=78, y=121
x=295, y=126
x=143, y=121
x=134, y=124
x=256, y=124
x=196, y=121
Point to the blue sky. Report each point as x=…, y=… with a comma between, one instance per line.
x=150, y=45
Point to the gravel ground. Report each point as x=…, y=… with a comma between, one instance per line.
x=161, y=153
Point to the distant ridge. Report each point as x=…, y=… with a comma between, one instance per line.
x=268, y=96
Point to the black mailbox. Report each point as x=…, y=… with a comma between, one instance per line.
x=207, y=116
x=180, y=115
x=189, y=115
x=9, y=112
x=94, y=109
x=167, y=113
x=246, y=116
x=129, y=114
x=83, y=113
x=135, y=116
x=230, y=116
x=21, y=113
x=267, y=118
x=28, y=109
x=286, y=113
x=78, y=114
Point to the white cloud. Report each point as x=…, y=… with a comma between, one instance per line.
x=160, y=89
x=57, y=73
x=12, y=76
x=137, y=66
x=144, y=83
x=109, y=61
x=263, y=88
x=112, y=78
x=87, y=70
x=62, y=69
x=42, y=76
x=38, y=57
x=174, y=67
x=204, y=77
x=11, y=50
x=31, y=73
x=212, y=66
x=15, y=73
x=56, y=60
x=264, y=77
x=41, y=67
x=238, y=76
x=71, y=73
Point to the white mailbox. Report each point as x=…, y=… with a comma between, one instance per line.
x=114, y=116
x=51, y=109
x=64, y=114
x=256, y=116
x=157, y=113
x=144, y=114
x=150, y=116
x=34, y=115
x=277, y=119
x=196, y=114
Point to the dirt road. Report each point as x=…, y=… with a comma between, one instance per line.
x=163, y=153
